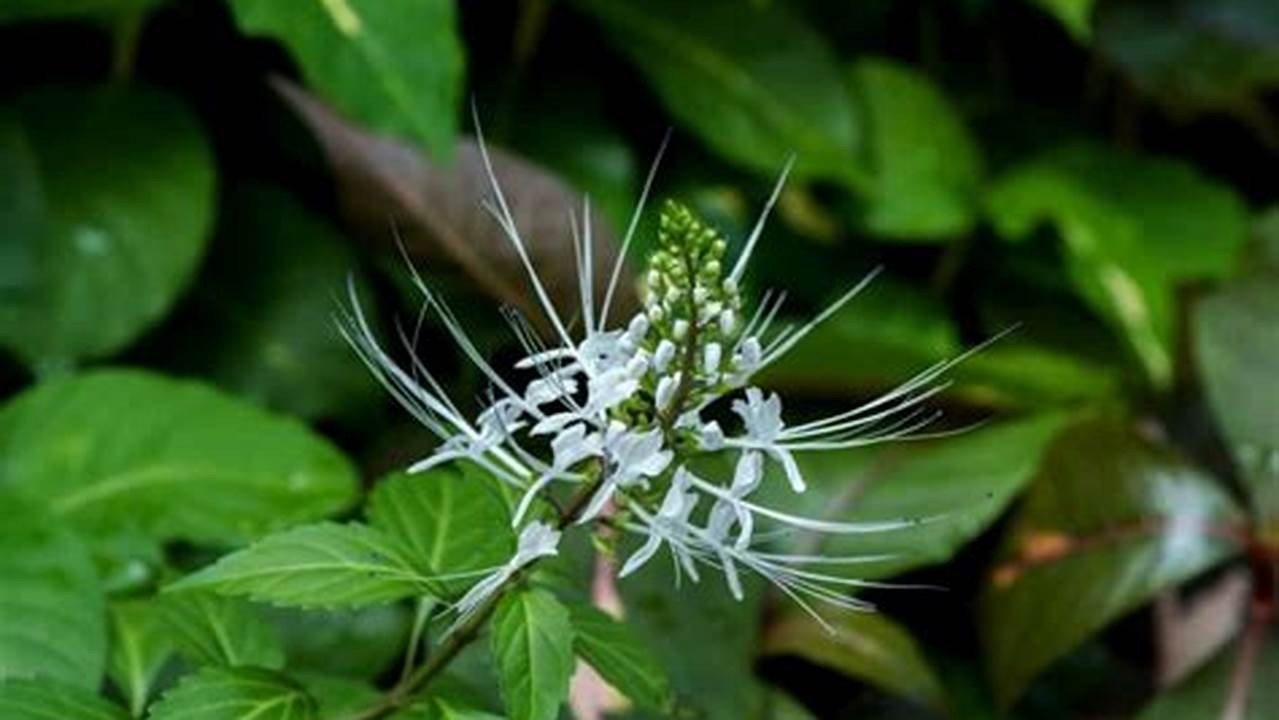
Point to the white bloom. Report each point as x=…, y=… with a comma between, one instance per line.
x=632, y=457
x=763, y=421
x=689, y=340
x=536, y=540
x=666, y=526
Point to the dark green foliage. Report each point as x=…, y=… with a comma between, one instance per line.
x=203, y=514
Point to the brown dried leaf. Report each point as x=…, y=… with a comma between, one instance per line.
x=387, y=188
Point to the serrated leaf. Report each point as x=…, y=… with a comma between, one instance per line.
x=190, y=463
x=215, y=630
x=1236, y=340
x=235, y=694
x=52, y=610
x=112, y=249
x=754, y=82
x=451, y=519
x=1133, y=227
x=140, y=648
x=324, y=565
x=867, y=646
x=532, y=644
x=393, y=65
x=44, y=699
x=1109, y=521
x=619, y=656
x=1207, y=693
x=925, y=166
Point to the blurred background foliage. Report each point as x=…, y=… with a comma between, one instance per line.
x=185, y=186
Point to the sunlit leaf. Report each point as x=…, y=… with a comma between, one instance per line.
x=532, y=645
x=235, y=694
x=111, y=248
x=189, y=463
x=925, y=166
x=215, y=630
x=1133, y=228
x=324, y=565
x=44, y=699
x=53, y=613
x=140, y=648
x=451, y=519
x=1108, y=522
x=393, y=65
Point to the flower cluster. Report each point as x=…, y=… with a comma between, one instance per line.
x=620, y=410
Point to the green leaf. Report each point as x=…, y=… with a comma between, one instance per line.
x=338, y=697
x=353, y=643
x=324, y=565
x=752, y=81
x=43, y=699
x=1109, y=521
x=532, y=644
x=112, y=248
x=190, y=463
x=451, y=519
x=235, y=694
x=960, y=485
x=1133, y=227
x=866, y=646
x=140, y=648
x=925, y=166
x=54, y=614
x=620, y=657
x=393, y=65
x=215, y=630
x=1236, y=339
x=269, y=334
x=1074, y=15
x=1205, y=694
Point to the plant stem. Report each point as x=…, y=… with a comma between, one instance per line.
x=411, y=683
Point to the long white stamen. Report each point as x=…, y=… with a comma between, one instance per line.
x=740, y=267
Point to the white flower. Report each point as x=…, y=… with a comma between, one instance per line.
x=763, y=421
x=666, y=526
x=623, y=404
x=536, y=540
x=632, y=458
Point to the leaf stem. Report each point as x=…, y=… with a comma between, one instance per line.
x=413, y=682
